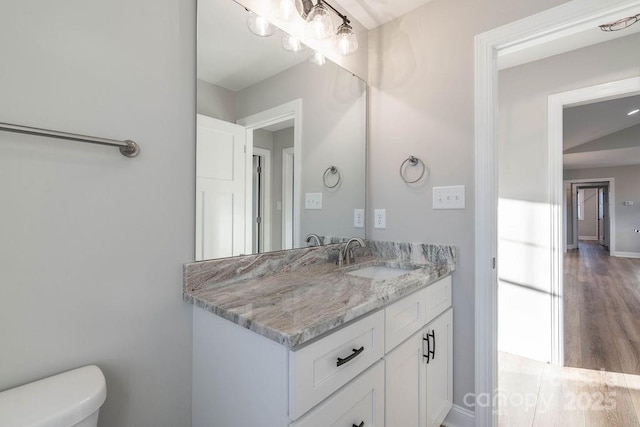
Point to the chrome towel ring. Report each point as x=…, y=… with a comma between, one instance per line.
x=412, y=161
x=334, y=170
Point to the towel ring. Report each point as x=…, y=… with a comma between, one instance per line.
x=413, y=161
x=334, y=170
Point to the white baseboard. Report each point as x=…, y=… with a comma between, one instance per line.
x=587, y=237
x=571, y=246
x=627, y=254
x=460, y=417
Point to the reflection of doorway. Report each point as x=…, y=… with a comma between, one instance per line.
x=288, y=191
x=285, y=120
x=261, y=203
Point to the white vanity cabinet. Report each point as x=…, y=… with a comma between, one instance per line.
x=419, y=371
x=392, y=367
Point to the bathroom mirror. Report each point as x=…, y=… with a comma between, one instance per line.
x=281, y=140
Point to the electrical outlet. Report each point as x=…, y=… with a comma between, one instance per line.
x=451, y=197
x=358, y=218
x=379, y=218
x=313, y=200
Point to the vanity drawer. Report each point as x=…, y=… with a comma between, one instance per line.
x=315, y=371
x=361, y=401
x=403, y=318
x=438, y=298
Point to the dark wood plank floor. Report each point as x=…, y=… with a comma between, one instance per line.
x=601, y=310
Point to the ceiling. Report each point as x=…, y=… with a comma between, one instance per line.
x=373, y=13
x=229, y=55
x=601, y=134
x=583, y=35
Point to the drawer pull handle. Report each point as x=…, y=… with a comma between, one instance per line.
x=359, y=425
x=350, y=358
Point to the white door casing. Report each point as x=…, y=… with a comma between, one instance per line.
x=288, y=203
x=221, y=214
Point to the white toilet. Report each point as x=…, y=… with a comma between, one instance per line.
x=70, y=399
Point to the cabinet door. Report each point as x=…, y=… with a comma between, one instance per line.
x=405, y=384
x=439, y=383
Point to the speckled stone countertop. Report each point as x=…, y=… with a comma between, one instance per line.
x=295, y=296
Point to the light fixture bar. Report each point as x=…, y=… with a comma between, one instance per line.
x=344, y=17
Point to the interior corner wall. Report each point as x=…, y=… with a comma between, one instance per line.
x=215, y=101
x=92, y=243
x=421, y=75
x=524, y=212
x=627, y=218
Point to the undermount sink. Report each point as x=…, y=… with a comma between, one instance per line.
x=380, y=272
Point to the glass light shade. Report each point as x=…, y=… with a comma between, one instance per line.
x=318, y=59
x=291, y=44
x=259, y=26
x=319, y=22
x=346, y=39
x=286, y=8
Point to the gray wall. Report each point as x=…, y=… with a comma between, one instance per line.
x=524, y=211
x=588, y=226
x=421, y=104
x=333, y=133
x=626, y=188
x=217, y=102
x=93, y=243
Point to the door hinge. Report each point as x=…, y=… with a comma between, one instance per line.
x=258, y=220
x=259, y=170
x=493, y=263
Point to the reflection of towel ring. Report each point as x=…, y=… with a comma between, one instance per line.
x=334, y=170
x=413, y=161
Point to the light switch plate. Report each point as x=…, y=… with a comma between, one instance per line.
x=313, y=200
x=451, y=197
x=358, y=218
x=379, y=218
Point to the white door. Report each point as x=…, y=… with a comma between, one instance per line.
x=221, y=217
x=288, y=191
x=405, y=402
x=440, y=369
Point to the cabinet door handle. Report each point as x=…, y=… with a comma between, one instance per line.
x=359, y=425
x=350, y=357
x=426, y=354
x=433, y=351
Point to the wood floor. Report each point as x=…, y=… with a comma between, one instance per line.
x=600, y=384
x=533, y=393
x=601, y=310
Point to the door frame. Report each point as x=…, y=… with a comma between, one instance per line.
x=272, y=116
x=288, y=197
x=611, y=183
x=555, y=23
x=267, y=205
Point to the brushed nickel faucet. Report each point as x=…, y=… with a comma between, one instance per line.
x=315, y=237
x=346, y=253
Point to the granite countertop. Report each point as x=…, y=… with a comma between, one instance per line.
x=308, y=298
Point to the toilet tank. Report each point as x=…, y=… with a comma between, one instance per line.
x=64, y=400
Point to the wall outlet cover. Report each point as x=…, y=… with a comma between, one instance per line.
x=379, y=218
x=358, y=218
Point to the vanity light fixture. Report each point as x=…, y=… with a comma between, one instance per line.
x=292, y=44
x=620, y=24
x=286, y=9
x=631, y=113
x=318, y=59
x=319, y=22
x=259, y=25
x=346, y=39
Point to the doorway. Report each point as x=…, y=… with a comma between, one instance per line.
x=556, y=24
